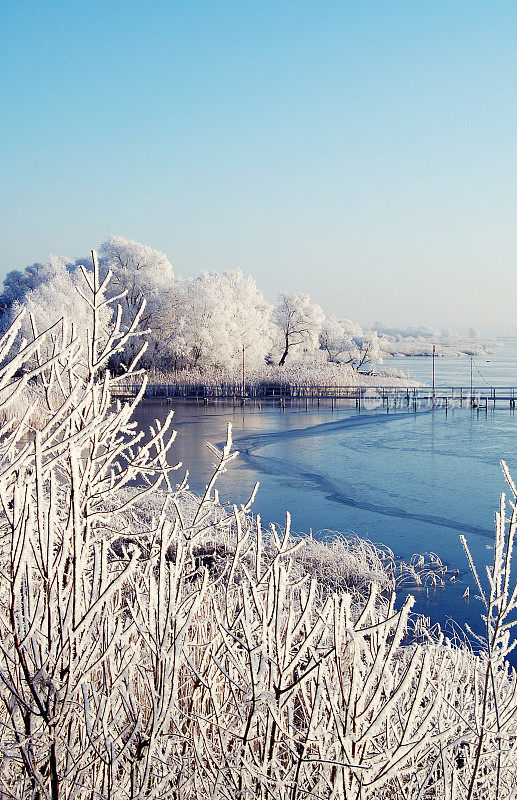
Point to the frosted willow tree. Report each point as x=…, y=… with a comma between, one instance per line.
x=345, y=342
x=298, y=323
x=223, y=314
x=141, y=273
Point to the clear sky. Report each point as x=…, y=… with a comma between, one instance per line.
x=364, y=152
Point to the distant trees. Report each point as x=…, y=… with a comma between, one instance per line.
x=345, y=342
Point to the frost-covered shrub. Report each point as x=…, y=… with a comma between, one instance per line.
x=133, y=666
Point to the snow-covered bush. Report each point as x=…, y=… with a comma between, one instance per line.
x=155, y=645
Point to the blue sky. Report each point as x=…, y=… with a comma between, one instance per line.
x=364, y=152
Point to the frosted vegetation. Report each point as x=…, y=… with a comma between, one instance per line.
x=158, y=645
x=212, y=323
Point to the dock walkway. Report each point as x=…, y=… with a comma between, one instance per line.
x=369, y=396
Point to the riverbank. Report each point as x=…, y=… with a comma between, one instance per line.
x=305, y=373
x=497, y=369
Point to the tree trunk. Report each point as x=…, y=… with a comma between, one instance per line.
x=284, y=356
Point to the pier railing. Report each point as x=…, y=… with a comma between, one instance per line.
x=449, y=396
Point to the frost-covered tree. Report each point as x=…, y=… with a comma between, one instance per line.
x=18, y=283
x=299, y=322
x=249, y=323
x=144, y=274
x=345, y=342
x=140, y=271
x=368, y=351
x=59, y=291
x=338, y=338
x=223, y=313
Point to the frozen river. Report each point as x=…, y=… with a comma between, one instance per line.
x=410, y=481
x=494, y=369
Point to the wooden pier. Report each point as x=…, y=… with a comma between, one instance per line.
x=363, y=396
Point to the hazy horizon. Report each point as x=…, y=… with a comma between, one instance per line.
x=363, y=153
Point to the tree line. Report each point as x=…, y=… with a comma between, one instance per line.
x=215, y=320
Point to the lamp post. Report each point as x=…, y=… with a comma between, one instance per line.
x=434, y=355
x=243, y=374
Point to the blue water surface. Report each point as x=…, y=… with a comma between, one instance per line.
x=411, y=481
